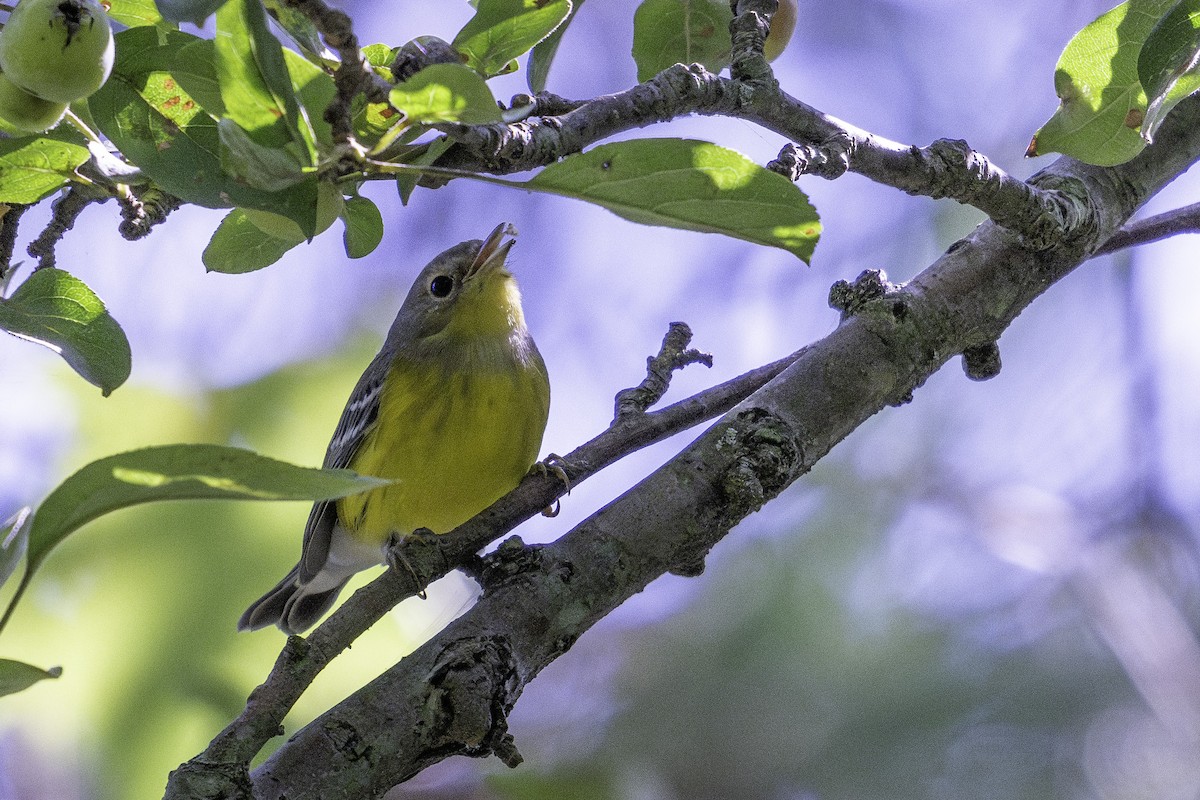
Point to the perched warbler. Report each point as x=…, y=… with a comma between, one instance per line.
x=452, y=409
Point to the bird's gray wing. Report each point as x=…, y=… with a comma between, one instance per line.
x=358, y=418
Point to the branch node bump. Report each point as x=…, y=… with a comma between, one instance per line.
x=673, y=355
x=765, y=453
x=470, y=690
x=512, y=558
x=981, y=362
x=829, y=160
x=871, y=285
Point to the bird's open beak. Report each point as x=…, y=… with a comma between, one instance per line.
x=494, y=250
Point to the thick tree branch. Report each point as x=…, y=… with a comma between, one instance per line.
x=223, y=764
x=423, y=709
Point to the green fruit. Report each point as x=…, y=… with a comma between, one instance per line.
x=783, y=25
x=60, y=50
x=27, y=113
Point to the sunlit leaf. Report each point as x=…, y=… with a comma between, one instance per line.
x=1102, y=105
x=17, y=676
x=34, y=167
x=161, y=128
x=1167, y=64
x=693, y=185
x=667, y=32
x=135, y=12
x=59, y=311
x=445, y=93
x=255, y=85
x=501, y=30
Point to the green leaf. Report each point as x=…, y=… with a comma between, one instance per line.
x=543, y=53
x=255, y=85
x=17, y=676
x=135, y=12
x=194, y=68
x=301, y=30
x=34, y=167
x=501, y=30
x=364, y=226
x=667, y=32
x=161, y=128
x=14, y=541
x=174, y=472
x=420, y=155
x=1103, y=104
x=380, y=57
x=56, y=309
x=687, y=184
x=315, y=91
x=194, y=11
x=238, y=245
x=445, y=93
x=1168, y=63
x=272, y=169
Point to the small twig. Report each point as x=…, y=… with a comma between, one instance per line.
x=66, y=210
x=673, y=355
x=10, y=219
x=1152, y=229
x=353, y=76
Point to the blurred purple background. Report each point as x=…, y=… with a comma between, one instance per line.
x=989, y=591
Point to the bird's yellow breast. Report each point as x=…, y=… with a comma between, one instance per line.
x=455, y=440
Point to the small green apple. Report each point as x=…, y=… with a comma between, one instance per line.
x=60, y=50
x=783, y=25
x=25, y=112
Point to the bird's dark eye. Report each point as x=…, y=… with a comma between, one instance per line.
x=441, y=286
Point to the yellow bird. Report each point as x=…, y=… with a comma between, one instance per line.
x=452, y=408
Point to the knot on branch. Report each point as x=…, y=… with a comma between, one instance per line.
x=673, y=355
x=205, y=780
x=512, y=558
x=748, y=29
x=469, y=692
x=828, y=160
x=981, y=362
x=870, y=287
x=765, y=452
x=1066, y=213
